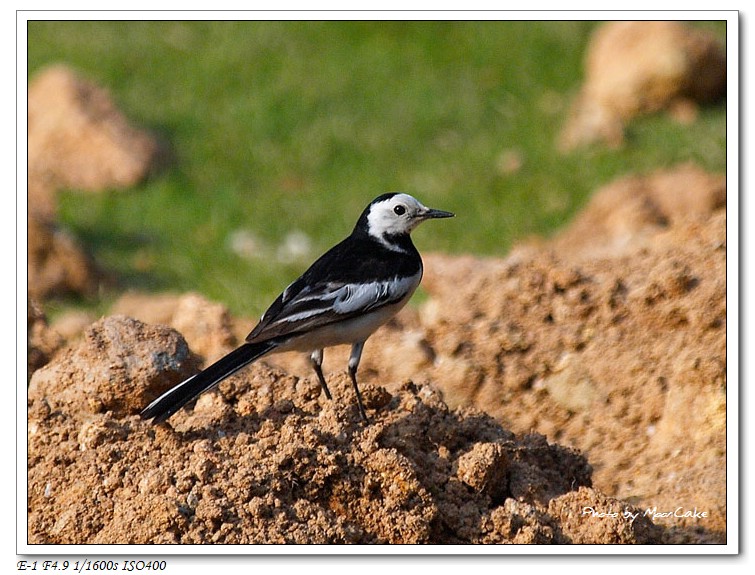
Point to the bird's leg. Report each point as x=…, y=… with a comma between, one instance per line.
x=356, y=355
x=316, y=360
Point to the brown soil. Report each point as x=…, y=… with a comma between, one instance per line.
x=56, y=264
x=41, y=341
x=635, y=68
x=611, y=339
x=267, y=460
x=479, y=400
x=77, y=138
x=583, y=372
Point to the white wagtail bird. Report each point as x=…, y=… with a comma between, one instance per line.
x=345, y=296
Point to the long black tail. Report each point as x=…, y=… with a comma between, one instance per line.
x=174, y=399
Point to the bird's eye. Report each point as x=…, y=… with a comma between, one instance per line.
x=399, y=210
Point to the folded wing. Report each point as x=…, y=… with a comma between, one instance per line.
x=301, y=308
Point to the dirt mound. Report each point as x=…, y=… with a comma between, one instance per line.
x=622, y=356
x=631, y=212
x=56, y=264
x=77, y=138
x=634, y=68
x=609, y=339
x=267, y=459
x=41, y=341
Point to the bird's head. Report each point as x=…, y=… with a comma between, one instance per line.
x=394, y=215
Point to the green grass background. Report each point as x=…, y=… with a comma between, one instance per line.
x=276, y=126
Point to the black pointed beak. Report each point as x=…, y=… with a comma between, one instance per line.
x=431, y=214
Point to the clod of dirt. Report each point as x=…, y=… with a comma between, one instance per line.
x=484, y=468
x=41, y=341
x=585, y=512
x=41, y=197
x=266, y=459
x=206, y=325
x=634, y=68
x=630, y=212
x=77, y=138
x=57, y=265
x=120, y=365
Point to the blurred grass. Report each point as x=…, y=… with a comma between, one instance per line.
x=280, y=126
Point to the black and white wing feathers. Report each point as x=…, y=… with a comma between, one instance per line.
x=353, y=278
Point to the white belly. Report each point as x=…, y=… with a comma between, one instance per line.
x=350, y=331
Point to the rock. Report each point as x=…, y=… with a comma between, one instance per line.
x=120, y=365
x=77, y=138
x=57, y=265
x=640, y=67
x=206, y=325
x=41, y=341
x=585, y=516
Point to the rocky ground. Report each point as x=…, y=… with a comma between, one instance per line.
x=520, y=393
x=268, y=460
x=572, y=392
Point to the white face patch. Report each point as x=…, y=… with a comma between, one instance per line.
x=395, y=216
